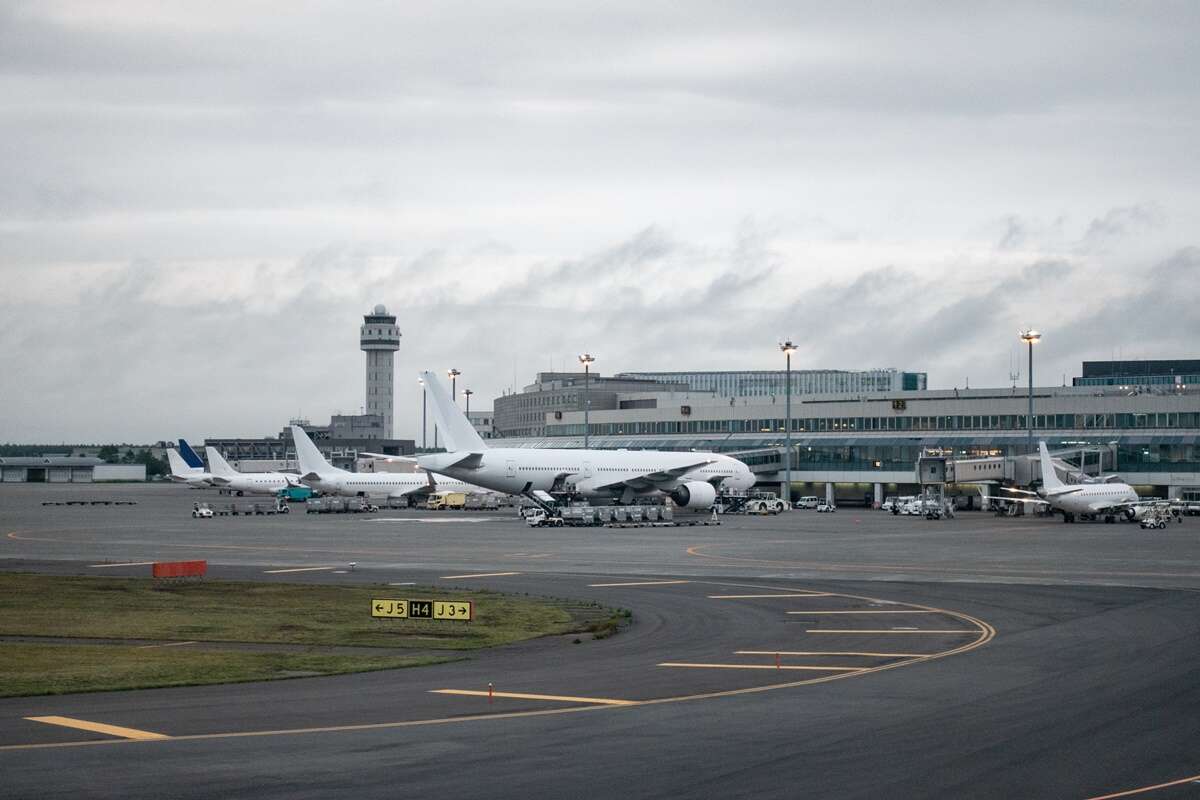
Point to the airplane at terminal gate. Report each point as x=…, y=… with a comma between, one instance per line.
x=318, y=473
x=691, y=479
x=223, y=476
x=1106, y=499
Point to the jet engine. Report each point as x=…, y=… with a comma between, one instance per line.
x=694, y=494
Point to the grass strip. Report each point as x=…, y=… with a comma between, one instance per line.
x=285, y=613
x=36, y=669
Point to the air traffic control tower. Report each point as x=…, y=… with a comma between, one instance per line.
x=379, y=339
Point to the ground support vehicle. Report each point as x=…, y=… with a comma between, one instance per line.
x=441, y=501
x=201, y=511
x=314, y=507
x=1155, y=519
x=538, y=518
x=826, y=508
x=482, y=502
x=807, y=502
x=764, y=503
x=296, y=494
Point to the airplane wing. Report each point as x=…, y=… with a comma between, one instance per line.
x=384, y=457
x=468, y=461
x=429, y=487
x=217, y=480
x=1105, y=507
x=1033, y=501
x=651, y=480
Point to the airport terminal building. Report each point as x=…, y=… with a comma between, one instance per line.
x=856, y=446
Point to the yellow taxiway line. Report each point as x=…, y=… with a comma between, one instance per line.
x=99, y=727
x=479, y=575
x=827, y=653
x=296, y=569
x=759, y=666
x=1144, y=789
x=169, y=644
x=755, y=596
x=638, y=583
x=126, y=564
x=553, y=698
x=896, y=630
x=810, y=613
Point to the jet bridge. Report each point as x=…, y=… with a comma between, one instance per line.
x=1082, y=464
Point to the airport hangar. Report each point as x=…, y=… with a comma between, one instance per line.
x=857, y=446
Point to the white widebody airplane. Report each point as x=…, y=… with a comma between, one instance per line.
x=196, y=477
x=1105, y=499
x=223, y=476
x=690, y=479
x=318, y=473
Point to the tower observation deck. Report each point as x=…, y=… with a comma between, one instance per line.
x=379, y=338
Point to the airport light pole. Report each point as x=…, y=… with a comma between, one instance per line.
x=788, y=348
x=467, y=394
x=586, y=359
x=453, y=373
x=1030, y=337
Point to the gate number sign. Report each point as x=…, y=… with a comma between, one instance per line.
x=462, y=610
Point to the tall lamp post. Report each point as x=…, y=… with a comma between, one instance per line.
x=1030, y=337
x=586, y=359
x=423, y=403
x=788, y=348
x=467, y=394
x=453, y=373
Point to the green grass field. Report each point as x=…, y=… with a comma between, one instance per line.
x=214, y=611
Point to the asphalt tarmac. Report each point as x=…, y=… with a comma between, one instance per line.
x=854, y=654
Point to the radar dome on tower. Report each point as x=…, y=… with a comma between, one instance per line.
x=380, y=309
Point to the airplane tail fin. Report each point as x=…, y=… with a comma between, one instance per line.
x=457, y=430
x=308, y=456
x=217, y=464
x=1050, y=479
x=179, y=467
x=189, y=455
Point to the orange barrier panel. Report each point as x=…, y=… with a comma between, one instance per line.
x=180, y=569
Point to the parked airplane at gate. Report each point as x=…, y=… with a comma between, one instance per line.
x=690, y=479
x=196, y=477
x=223, y=476
x=318, y=473
x=1105, y=500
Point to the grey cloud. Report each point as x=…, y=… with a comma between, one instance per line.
x=522, y=181
x=1121, y=222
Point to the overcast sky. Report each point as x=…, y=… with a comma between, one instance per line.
x=198, y=202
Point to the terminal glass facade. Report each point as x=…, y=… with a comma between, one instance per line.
x=764, y=383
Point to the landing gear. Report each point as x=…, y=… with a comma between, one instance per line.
x=1109, y=519
x=1067, y=517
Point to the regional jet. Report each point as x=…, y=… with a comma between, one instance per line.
x=690, y=479
x=318, y=473
x=196, y=477
x=225, y=477
x=1086, y=500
